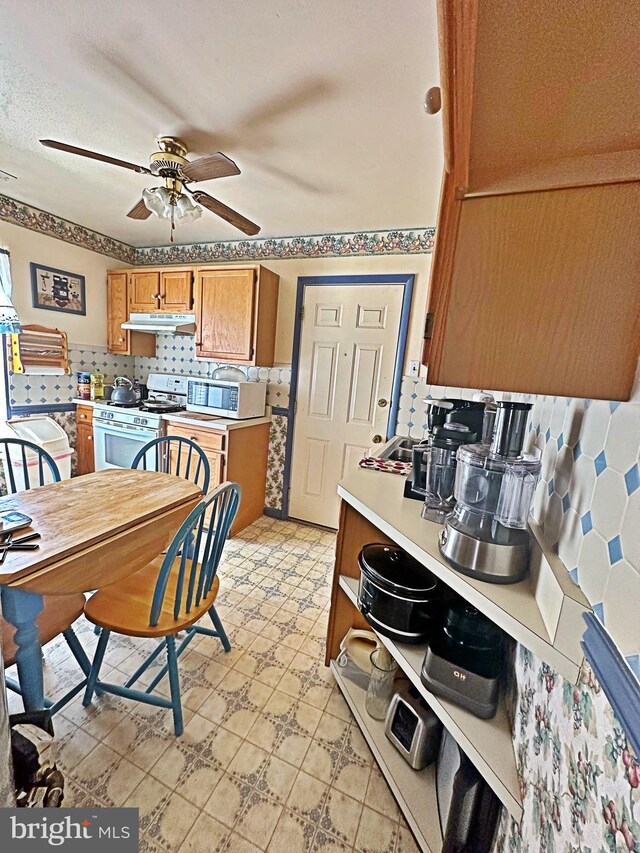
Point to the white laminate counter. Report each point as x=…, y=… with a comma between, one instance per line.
x=199, y=421
x=543, y=612
x=92, y=403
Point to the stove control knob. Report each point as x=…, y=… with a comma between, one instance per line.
x=144, y=421
x=136, y=420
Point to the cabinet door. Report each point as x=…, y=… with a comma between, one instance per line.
x=117, y=312
x=177, y=291
x=144, y=290
x=226, y=300
x=84, y=448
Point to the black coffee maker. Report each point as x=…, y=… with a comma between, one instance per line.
x=441, y=413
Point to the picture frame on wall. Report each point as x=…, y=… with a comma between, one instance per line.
x=57, y=290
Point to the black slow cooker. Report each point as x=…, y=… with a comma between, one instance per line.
x=398, y=596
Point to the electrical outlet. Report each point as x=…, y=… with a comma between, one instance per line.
x=414, y=368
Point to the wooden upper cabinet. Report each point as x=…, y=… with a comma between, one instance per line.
x=176, y=291
x=119, y=340
x=236, y=311
x=534, y=281
x=144, y=290
x=117, y=312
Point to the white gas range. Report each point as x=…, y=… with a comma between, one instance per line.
x=120, y=431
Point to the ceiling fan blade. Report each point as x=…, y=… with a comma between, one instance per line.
x=209, y=167
x=139, y=211
x=93, y=155
x=231, y=216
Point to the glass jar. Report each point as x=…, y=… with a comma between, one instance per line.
x=381, y=683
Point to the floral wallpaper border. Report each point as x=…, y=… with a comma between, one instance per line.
x=19, y=213
x=410, y=241
x=417, y=241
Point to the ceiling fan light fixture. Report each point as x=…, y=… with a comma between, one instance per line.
x=186, y=210
x=158, y=201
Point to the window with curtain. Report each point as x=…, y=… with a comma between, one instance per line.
x=9, y=323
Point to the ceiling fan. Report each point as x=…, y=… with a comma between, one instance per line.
x=170, y=200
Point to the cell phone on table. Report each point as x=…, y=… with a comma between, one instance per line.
x=11, y=520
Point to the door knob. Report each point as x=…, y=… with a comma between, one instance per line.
x=376, y=439
x=382, y=403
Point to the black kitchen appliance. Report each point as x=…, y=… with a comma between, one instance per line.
x=398, y=596
x=468, y=808
x=413, y=728
x=440, y=413
x=464, y=660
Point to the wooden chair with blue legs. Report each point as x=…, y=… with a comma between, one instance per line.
x=29, y=466
x=166, y=597
x=172, y=454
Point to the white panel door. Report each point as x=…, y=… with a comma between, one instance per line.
x=347, y=356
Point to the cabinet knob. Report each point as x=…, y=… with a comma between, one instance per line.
x=120, y=340
x=433, y=100
x=89, y=438
x=376, y=439
x=382, y=402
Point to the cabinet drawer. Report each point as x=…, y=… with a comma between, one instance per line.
x=208, y=439
x=85, y=414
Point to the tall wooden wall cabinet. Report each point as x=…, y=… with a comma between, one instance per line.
x=535, y=283
x=119, y=340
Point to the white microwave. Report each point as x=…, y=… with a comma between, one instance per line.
x=227, y=399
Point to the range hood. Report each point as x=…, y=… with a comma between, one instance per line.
x=170, y=324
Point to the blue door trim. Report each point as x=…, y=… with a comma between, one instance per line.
x=407, y=281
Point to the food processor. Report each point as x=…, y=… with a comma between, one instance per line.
x=486, y=536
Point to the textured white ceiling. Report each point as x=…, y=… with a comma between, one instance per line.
x=318, y=101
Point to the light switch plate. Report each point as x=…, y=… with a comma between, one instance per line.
x=414, y=368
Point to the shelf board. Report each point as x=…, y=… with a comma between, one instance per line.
x=414, y=790
x=543, y=612
x=488, y=743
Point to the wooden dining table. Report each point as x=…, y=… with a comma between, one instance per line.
x=95, y=530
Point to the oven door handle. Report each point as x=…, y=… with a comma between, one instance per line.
x=122, y=429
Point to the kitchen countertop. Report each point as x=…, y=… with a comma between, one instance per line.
x=543, y=612
x=196, y=419
x=91, y=403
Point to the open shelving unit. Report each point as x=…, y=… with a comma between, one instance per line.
x=415, y=790
x=488, y=743
x=543, y=612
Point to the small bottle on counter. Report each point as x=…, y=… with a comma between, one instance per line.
x=84, y=385
x=97, y=386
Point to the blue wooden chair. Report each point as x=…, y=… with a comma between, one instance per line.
x=172, y=454
x=59, y=612
x=166, y=597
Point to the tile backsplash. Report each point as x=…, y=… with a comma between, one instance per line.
x=176, y=354
x=35, y=390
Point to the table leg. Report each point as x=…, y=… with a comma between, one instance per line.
x=21, y=609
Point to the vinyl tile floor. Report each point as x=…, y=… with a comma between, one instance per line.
x=271, y=758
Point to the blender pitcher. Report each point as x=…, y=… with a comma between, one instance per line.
x=439, y=460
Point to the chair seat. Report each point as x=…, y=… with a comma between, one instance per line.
x=58, y=613
x=125, y=606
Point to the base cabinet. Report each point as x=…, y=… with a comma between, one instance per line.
x=239, y=455
x=85, y=459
